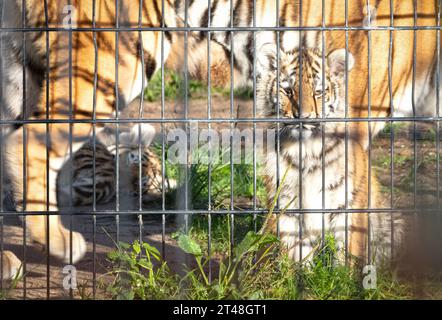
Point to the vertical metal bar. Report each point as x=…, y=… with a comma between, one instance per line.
x=2, y=164
x=255, y=227
x=413, y=103
x=94, y=142
x=141, y=116
x=346, y=136
x=186, y=112
x=71, y=169
x=323, y=127
x=278, y=115
x=369, y=131
x=232, y=79
x=24, y=146
x=47, y=131
x=163, y=144
x=1, y=243
x=390, y=92
x=301, y=216
x=24, y=150
x=438, y=52
x=209, y=116
x=117, y=116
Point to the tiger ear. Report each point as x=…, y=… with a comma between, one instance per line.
x=337, y=60
x=266, y=57
x=136, y=135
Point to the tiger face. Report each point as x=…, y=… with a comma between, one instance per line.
x=149, y=169
x=305, y=90
x=132, y=166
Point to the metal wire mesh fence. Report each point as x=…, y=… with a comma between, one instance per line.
x=42, y=43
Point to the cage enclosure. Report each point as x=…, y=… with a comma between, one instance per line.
x=212, y=149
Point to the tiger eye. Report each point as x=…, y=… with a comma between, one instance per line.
x=318, y=92
x=288, y=92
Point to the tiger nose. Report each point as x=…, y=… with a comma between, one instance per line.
x=309, y=125
x=305, y=115
x=133, y=158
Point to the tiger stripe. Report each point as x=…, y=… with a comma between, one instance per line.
x=79, y=93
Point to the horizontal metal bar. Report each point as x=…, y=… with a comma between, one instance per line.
x=220, y=120
x=217, y=211
x=218, y=29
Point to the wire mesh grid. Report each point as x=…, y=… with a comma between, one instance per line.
x=184, y=210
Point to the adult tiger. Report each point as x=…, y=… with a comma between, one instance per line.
x=54, y=75
x=62, y=75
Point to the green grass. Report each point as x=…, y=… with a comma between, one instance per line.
x=430, y=135
x=174, y=88
x=221, y=189
x=255, y=269
x=11, y=285
x=220, y=178
x=136, y=277
x=422, y=167
x=220, y=194
x=395, y=127
x=220, y=229
x=327, y=278
x=384, y=161
x=398, y=128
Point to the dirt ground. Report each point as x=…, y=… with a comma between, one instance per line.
x=102, y=230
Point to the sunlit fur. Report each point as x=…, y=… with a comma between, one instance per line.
x=83, y=82
x=104, y=156
x=150, y=172
x=320, y=162
x=83, y=187
x=83, y=183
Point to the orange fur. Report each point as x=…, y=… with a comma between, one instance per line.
x=77, y=92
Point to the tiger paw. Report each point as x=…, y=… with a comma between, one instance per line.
x=12, y=267
x=59, y=238
x=60, y=246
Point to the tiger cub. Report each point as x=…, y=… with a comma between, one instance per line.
x=105, y=167
x=151, y=184
x=320, y=162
